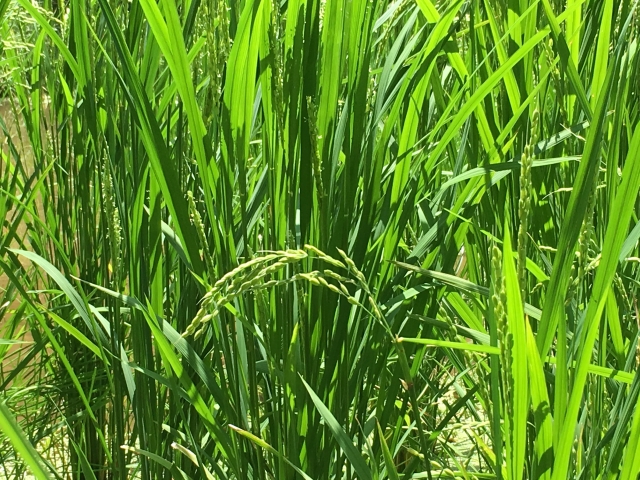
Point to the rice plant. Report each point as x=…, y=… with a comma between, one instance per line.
x=319, y=239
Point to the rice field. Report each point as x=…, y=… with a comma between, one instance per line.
x=319, y=239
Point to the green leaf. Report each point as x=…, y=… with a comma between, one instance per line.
x=57, y=40
x=77, y=334
x=615, y=234
x=392, y=472
x=21, y=444
x=552, y=312
x=631, y=464
x=76, y=300
x=161, y=165
x=8, y=341
x=519, y=371
x=470, y=347
x=261, y=443
x=541, y=409
x=349, y=449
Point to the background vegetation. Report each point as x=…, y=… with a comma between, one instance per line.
x=320, y=239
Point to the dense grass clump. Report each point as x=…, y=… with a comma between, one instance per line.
x=320, y=239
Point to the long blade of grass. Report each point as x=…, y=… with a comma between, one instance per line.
x=347, y=446
x=470, y=347
x=261, y=443
x=519, y=372
x=541, y=409
x=615, y=235
x=576, y=209
x=21, y=443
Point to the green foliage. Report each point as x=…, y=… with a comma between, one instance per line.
x=273, y=240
